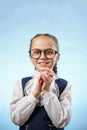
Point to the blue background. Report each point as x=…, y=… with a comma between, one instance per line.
x=20, y=20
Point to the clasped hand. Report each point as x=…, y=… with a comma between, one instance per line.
x=44, y=82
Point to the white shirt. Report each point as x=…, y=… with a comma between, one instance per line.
x=58, y=110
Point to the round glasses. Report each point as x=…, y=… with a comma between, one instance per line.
x=48, y=53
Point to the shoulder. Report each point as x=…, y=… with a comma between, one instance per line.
x=25, y=80
x=62, y=83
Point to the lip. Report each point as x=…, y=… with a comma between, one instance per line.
x=43, y=64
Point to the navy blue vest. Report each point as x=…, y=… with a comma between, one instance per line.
x=39, y=119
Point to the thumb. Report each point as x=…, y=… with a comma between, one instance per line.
x=40, y=80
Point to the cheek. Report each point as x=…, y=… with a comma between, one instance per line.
x=55, y=60
x=52, y=63
x=33, y=61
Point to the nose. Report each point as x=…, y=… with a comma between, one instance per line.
x=42, y=56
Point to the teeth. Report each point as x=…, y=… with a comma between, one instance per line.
x=43, y=63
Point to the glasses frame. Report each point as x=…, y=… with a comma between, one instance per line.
x=55, y=52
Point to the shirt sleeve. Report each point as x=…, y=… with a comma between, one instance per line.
x=21, y=106
x=59, y=110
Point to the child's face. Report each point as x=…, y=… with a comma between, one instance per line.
x=44, y=43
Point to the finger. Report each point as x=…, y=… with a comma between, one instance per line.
x=40, y=80
x=46, y=77
x=49, y=72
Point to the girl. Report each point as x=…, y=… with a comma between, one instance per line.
x=42, y=103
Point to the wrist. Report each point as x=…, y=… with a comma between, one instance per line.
x=46, y=91
x=36, y=94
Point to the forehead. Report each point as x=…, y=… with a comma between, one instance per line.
x=43, y=42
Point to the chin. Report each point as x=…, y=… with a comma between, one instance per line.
x=43, y=68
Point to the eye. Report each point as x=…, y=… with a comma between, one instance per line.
x=36, y=52
x=49, y=52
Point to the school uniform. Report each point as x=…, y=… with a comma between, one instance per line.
x=49, y=112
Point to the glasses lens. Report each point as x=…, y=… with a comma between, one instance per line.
x=35, y=53
x=50, y=53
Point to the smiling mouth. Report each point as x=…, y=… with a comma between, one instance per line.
x=43, y=64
